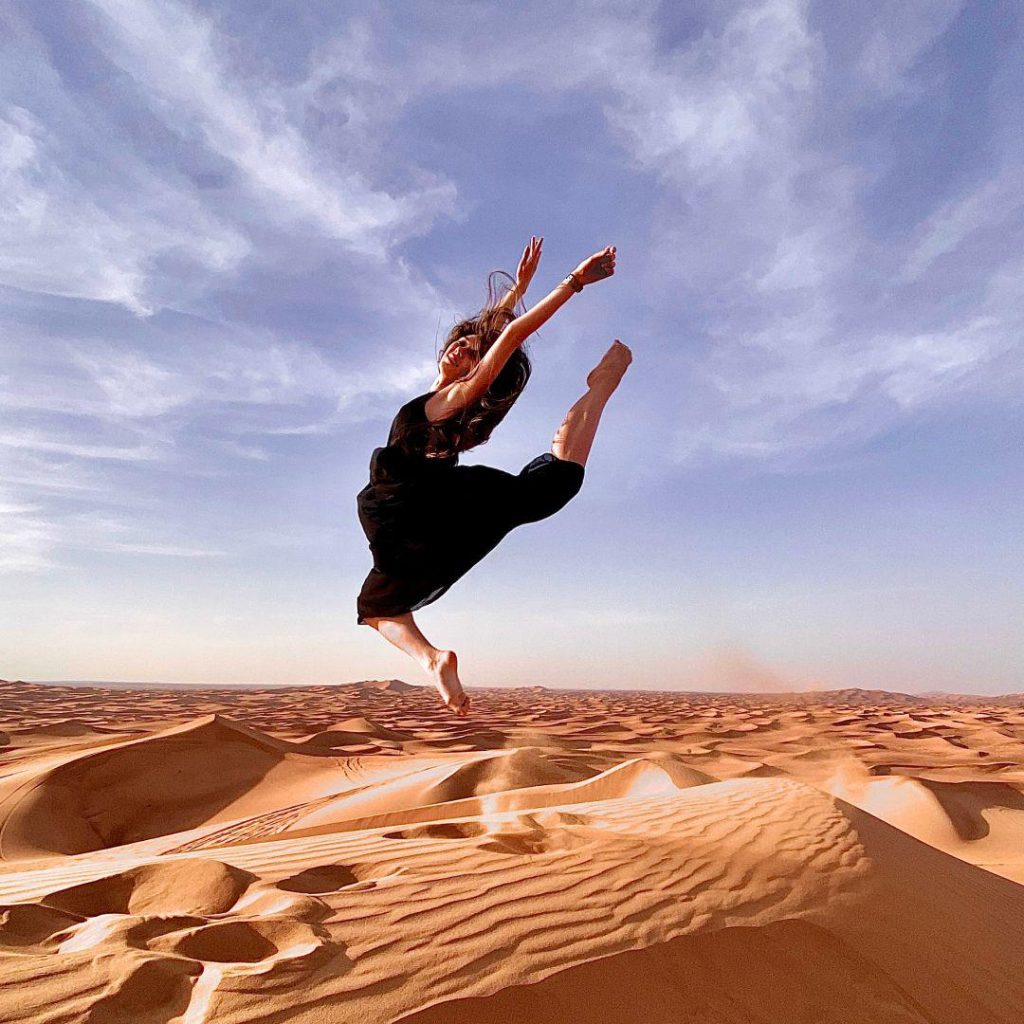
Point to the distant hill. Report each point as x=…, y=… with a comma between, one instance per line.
x=390, y=685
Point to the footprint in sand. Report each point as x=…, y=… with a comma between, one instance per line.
x=153, y=992
x=31, y=927
x=322, y=879
x=254, y=946
x=525, y=835
x=534, y=834
x=195, y=886
x=225, y=942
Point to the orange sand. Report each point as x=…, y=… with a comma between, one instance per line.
x=335, y=854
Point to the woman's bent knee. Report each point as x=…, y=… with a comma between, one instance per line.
x=548, y=485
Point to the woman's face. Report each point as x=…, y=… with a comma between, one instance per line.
x=461, y=356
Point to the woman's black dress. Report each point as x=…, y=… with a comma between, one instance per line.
x=430, y=520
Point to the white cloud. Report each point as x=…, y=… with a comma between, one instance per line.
x=26, y=538
x=916, y=368
x=815, y=395
x=135, y=387
x=60, y=236
x=37, y=442
x=899, y=33
x=171, y=52
x=32, y=539
x=709, y=111
x=799, y=261
x=100, y=204
x=163, y=550
x=987, y=207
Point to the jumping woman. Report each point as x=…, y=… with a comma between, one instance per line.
x=430, y=520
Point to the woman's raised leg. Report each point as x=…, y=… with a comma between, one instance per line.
x=441, y=666
x=575, y=436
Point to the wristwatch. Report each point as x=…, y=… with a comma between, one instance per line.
x=573, y=282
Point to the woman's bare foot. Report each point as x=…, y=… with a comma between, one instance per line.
x=612, y=366
x=445, y=671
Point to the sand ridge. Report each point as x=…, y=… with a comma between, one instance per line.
x=358, y=853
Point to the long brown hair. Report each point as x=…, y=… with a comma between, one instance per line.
x=474, y=424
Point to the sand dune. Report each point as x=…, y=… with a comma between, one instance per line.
x=594, y=857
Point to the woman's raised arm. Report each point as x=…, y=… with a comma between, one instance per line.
x=594, y=268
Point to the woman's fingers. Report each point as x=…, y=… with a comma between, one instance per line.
x=604, y=261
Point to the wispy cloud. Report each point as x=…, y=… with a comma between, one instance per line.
x=37, y=443
x=61, y=235
x=172, y=53
x=33, y=541
x=26, y=538
x=163, y=550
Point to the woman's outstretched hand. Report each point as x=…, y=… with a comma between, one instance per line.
x=528, y=264
x=597, y=267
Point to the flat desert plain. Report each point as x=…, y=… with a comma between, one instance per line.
x=358, y=853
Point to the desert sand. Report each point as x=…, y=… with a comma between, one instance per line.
x=358, y=853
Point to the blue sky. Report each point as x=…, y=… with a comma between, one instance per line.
x=234, y=233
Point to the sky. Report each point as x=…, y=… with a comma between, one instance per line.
x=233, y=235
